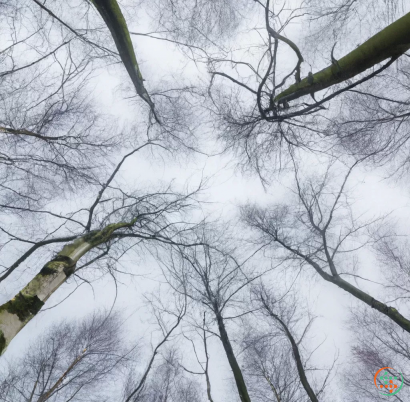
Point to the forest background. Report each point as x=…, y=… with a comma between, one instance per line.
x=172, y=170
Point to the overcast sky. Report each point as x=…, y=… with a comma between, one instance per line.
x=228, y=188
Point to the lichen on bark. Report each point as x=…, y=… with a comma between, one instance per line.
x=103, y=235
x=53, y=266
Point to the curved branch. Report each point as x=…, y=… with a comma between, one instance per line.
x=104, y=187
x=23, y=131
x=278, y=36
x=145, y=375
x=235, y=81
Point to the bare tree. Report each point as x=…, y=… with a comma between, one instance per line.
x=318, y=230
x=202, y=331
x=55, y=137
x=54, y=134
x=392, y=250
x=378, y=343
x=392, y=42
x=71, y=361
x=164, y=378
x=136, y=390
x=269, y=368
x=263, y=123
x=343, y=17
x=59, y=149
x=288, y=380
x=168, y=382
x=138, y=218
x=214, y=279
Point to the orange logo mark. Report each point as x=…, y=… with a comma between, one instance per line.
x=389, y=382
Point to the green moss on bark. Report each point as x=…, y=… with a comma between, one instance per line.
x=23, y=306
x=89, y=236
x=97, y=237
x=2, y=342
x=115, y=21
x=113, y=17
x=47, y=270
x=392, y=41
x=53, y=266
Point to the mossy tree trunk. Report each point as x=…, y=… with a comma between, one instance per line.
x=18, y=311
x=391, y=42
x=114, y=19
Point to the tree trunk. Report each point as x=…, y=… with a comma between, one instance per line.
x=383, y=308
x=208, y=381
x=391, y=42
x=237, y=373
x=272, y=387
x=114, y=19
x=18, y=311
x=45, y=396
x=296, y=355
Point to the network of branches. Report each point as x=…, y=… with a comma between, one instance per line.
x=124, y=277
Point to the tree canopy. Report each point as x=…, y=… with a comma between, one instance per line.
x=204, y=200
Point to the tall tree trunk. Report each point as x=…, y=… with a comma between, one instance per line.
x=383, y=308
x=18, y=311
x=391, y=42
x=296, y=354
x=237, y=372
x=273, y=388
x=208, y=381
x=111, y=13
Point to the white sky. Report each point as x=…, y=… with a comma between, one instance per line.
x=229, y=189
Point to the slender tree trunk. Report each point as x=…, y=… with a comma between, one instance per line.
x=391, y=42
x=335, y=278
x=237, y=373
x=208, y=381
x=390, y=312
x=273, y=388
x=296, y=354
x=47, y=395
x=383, y=308
x=18, y=311
x=111, y=13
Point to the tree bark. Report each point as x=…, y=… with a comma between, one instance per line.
x=296, y=354
x=237, y=373
x=391, y=42
x=208, y=381
x=272, y=387
x=45, y=396
x=18, y=311
x=114, y=19
x=383, y=308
